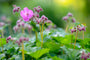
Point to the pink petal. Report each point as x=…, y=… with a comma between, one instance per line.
x=26, y=9
x=26, y=19
x=22, y=13
x=30, y=14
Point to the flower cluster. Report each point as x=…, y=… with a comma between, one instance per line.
x=20, y=24
x=38, y=9
x=69, y=17
x=43, y=19
x=73, y=30
x=81, y=28
x=85, y=56
x=22, y=39
x=36, y=16
x=16, y=8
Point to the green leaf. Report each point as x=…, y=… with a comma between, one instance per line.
x=2, y=56
x=3, y=41
x=39, y=53
x=56, y=58
x=52, y=45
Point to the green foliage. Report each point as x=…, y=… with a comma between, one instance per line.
x=2, y=56
x=56, y=58
x=71, y=54
x=39, y=53
x=56, y=46
x=3, y=41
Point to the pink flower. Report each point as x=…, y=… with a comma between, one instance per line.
x=26, y=14
x=70, y=14
x=65, y=18
x=84, y=28
x=72, y=30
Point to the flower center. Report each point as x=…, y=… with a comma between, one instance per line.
x=27, y=14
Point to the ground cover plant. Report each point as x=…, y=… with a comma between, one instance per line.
x=37, y=38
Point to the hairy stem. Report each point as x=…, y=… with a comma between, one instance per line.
x=66, y=27
x=42, y=36
x=23, y=51
x=75, y=39
x=83, y=39
x=23, y=58
x=36, y=36
x=71, y=39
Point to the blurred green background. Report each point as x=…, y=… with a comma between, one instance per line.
x=53, y=9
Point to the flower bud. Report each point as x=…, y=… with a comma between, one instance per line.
x=72, y=30
x=65, y=18
x=80, y=29
x=38, y=6
x=84, y=28
x=24, y=39
x=18, y=24
x=46, y=18
x=70, y=14
x=43, y=17
x=18, y=21
x=21, y=39
x=38, y=10
x=41, y=9
x=48, y=21
x=37, y=15
x=35, y=8
x=38, y=21
x=16, y=9
x=9, y=37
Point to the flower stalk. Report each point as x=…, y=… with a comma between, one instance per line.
x=36, y=36
x=75, y=39
x=66, y=26
x=42, y=35
x=23, y=51
x=23, y=58
x=83, y=39
x=41, y=32
x=71, y=39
